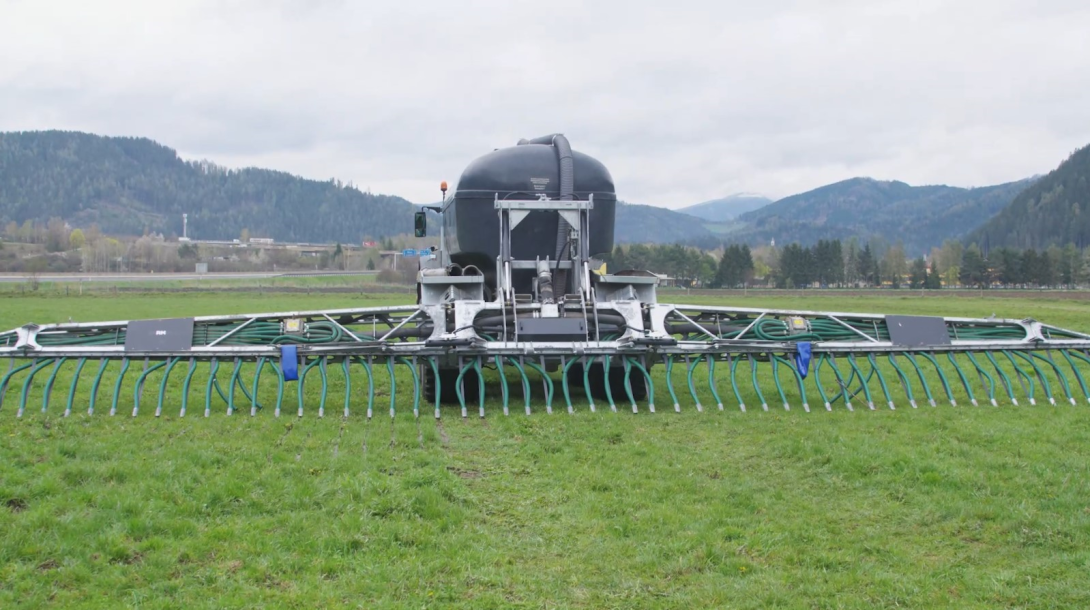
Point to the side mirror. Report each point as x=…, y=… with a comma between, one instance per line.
x=420, y=223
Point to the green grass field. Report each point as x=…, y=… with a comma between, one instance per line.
x=961, y=507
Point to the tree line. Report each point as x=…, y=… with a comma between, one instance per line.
x=850, y=264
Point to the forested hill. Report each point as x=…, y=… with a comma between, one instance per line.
x=1055, y=210
x=919, y=216
x=727, y=208
x=129, y=185
x=648, y=224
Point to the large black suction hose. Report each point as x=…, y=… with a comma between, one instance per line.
x=564, y=157
x=567, y=191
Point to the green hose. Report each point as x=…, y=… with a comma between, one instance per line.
x=460, y=389
x=49, y=382
x=214, y=367
x=1040, y=376
x=756, y=386
x=526, y=383
x=302, y=379
x=628, y=383
x=961, y=375
x=416, y=385
x=322, y=361
x=843, y=386
x=733, y=381
x=548, y=386
x=506, y=390
x=438, y=387
x=669, y=359
x=563, y=383
x=162, y=385
x=983, y=374
x=72, y=388
x=942, y=377
x=1003, y=376
x=1023, y=377
x=257, y=379
x=140, y=385
x=817, y=382
x=231, y=386
x=881, y=379
x=117, y=386
x=798, y=380
x=650, y=384
x=692, y=386
x=103, y=363
x=347, y=385
x=904, y=379
x=393, y=384
x=1059, y=375
x=776, y=380
x=1078, y=375
x=366, y=364
x=27, y=382
x=923, y=380
x=866, y=387
x=609, y=386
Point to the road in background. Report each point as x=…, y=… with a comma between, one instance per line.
x=152, y=277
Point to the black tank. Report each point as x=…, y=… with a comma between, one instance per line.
x=525, y=171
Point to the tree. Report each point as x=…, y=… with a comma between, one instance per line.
x=868, y=266
x=94, y=234
x=56, y=235
x=918, y=274
x=735, y=267
x=894, y=265
x=244, y=235
x=76, y=239
x=933, y=282
x=949, y=255
x=188, y=251
x=1031, y=267
x=1070, y=265
x=828, y=260
x=796, y=267
x=371, y=264
x=1008, y=266
x=974, y=269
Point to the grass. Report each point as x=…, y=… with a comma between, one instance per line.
x=948, y=507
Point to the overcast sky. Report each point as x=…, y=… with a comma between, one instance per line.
x=683, y=101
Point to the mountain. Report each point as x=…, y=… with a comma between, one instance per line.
x=919, y=216
x=1054, y=210
x=727, y=208
x=654, y=225
x=132, y=185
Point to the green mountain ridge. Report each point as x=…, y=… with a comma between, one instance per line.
x=132, y=185
x=919, y=216
x=650, y=224
x=726, y=208
x=1054, y=210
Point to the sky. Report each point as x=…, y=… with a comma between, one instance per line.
x=683, y=101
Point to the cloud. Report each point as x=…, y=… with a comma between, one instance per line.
x=684, y=102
